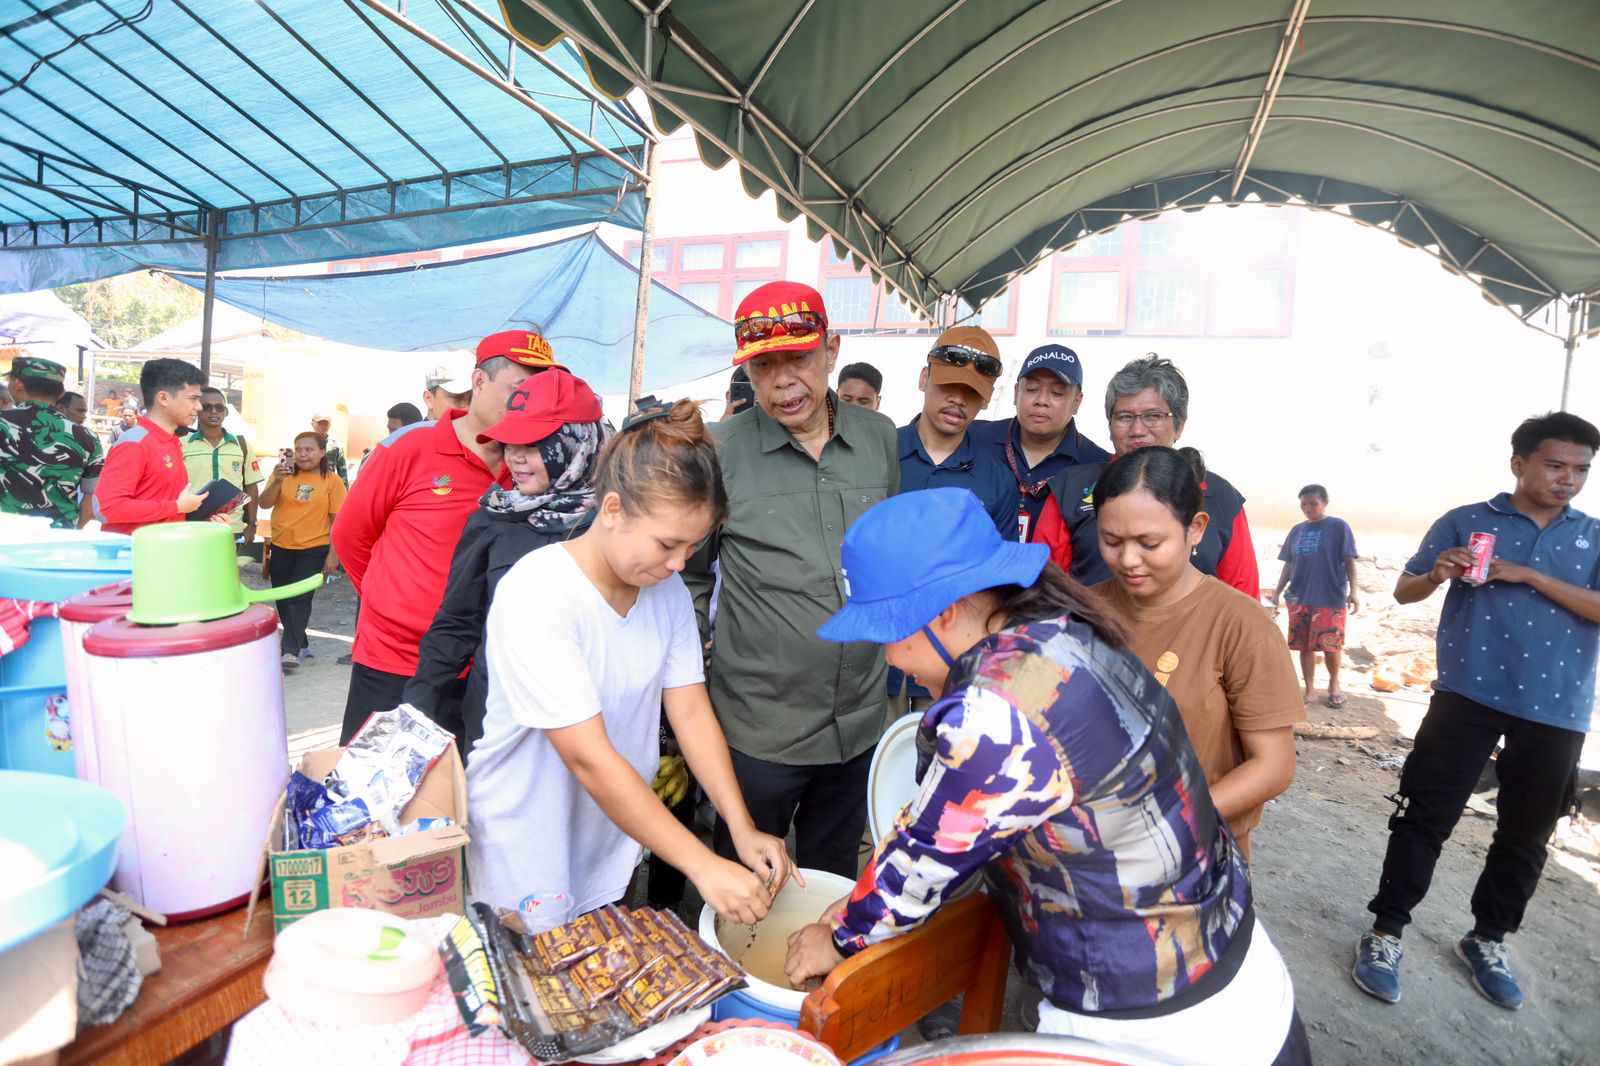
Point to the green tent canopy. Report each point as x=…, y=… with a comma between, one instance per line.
x=949, y=144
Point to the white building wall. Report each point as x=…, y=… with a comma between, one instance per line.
x=1397, y=386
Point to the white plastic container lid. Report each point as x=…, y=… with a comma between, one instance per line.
x=348, y=966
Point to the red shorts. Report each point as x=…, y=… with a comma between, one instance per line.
x=1316, y=628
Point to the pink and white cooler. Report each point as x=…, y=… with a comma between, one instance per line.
x=190, y=735
x=77, y=616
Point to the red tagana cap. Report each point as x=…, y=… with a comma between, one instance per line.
x=523, y=346
x=774, y=300
x=541, y=405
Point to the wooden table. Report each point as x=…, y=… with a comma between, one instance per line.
x=210, y=977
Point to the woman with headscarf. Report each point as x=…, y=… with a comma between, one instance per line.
x=553, y=431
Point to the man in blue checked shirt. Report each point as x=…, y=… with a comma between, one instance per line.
x=1516, y=663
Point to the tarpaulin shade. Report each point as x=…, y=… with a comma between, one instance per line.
x=136, y=132
x=949, y=144
x=577, y=292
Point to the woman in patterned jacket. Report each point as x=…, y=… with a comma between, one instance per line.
x=1062, y=771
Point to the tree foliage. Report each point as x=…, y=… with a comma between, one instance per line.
x=130, y=309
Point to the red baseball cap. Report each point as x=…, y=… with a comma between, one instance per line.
x=541, y=405
x=775, y=300
x=523, y=346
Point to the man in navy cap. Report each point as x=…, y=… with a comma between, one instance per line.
x=1043, y=438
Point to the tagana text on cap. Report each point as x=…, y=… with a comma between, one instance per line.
x=524, y=346
x=775, y=300
x=541, y=405
x=1061, y=361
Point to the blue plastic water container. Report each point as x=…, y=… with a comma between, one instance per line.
x=35, y=719
x=739, y=1005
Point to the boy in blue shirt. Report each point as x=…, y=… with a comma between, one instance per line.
x=1319, y=568
x=1516, y=661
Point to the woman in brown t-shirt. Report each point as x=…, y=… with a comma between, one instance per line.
x=1214, y=648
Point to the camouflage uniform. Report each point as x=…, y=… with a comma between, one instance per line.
x=43, y=459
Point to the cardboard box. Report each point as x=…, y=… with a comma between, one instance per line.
x=418, y=875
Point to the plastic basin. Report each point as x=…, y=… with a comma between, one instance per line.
x=68, y=880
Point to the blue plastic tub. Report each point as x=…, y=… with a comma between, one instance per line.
x=35, y=720
x=739, y=1005
x=72, y=827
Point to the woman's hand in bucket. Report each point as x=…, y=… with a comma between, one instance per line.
x=732, y=891
x=811, y=954
x=765, y=855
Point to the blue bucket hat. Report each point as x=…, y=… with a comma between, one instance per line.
x=911, y=556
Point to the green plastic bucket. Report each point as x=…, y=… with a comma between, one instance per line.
x=185, y=572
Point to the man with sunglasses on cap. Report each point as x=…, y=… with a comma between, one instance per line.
x=801, y=716
x=399, y=525
x=937, y=450
x=1043, y=438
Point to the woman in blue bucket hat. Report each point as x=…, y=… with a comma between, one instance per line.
x=1060, y=768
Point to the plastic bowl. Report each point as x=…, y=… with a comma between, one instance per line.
x=68, y=880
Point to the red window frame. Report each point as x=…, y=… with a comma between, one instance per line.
x=877, y=318
x=1130, y=266
x=724, y=277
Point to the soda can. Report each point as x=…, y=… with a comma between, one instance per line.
x=1482, y=547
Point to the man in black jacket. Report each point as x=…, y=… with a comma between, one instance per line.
x=553, y=432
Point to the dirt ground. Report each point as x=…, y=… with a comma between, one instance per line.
x=1317, y=853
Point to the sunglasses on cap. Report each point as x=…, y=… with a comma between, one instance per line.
x=957, y=355
x=794, y=324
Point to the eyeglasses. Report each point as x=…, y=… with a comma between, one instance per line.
x=956, y=355
x=793, y=324
x=1151, y=419
x=219, y=407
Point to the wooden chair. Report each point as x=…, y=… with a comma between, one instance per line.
x=877, y=993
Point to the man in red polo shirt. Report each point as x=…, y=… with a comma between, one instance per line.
x=144, y=481
x=399, y=525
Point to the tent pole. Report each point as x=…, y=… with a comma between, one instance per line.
x=213, y=242
x=641, y=313
x=87, y=383
x=1571, y=344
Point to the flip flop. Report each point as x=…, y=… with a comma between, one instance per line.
x=1338, y=699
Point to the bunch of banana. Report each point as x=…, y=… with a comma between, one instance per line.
x=672, y=780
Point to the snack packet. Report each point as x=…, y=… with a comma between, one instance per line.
x=385, y=762
x=334, y=824
x=466, y=967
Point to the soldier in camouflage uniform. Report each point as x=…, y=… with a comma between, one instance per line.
x=44, y=460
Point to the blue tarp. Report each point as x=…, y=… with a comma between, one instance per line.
x=298, y=131
x=577, y=292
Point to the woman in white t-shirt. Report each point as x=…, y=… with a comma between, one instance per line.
x=587, y=642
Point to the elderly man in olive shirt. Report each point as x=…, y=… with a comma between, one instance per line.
x=801, y=715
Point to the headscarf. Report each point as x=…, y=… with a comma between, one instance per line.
x=571, y=460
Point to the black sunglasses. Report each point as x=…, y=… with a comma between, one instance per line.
x=793, y=324
x=214, y=407
x=956, y=355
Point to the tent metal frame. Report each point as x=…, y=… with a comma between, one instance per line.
x=122, y=211
x=878, y=245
